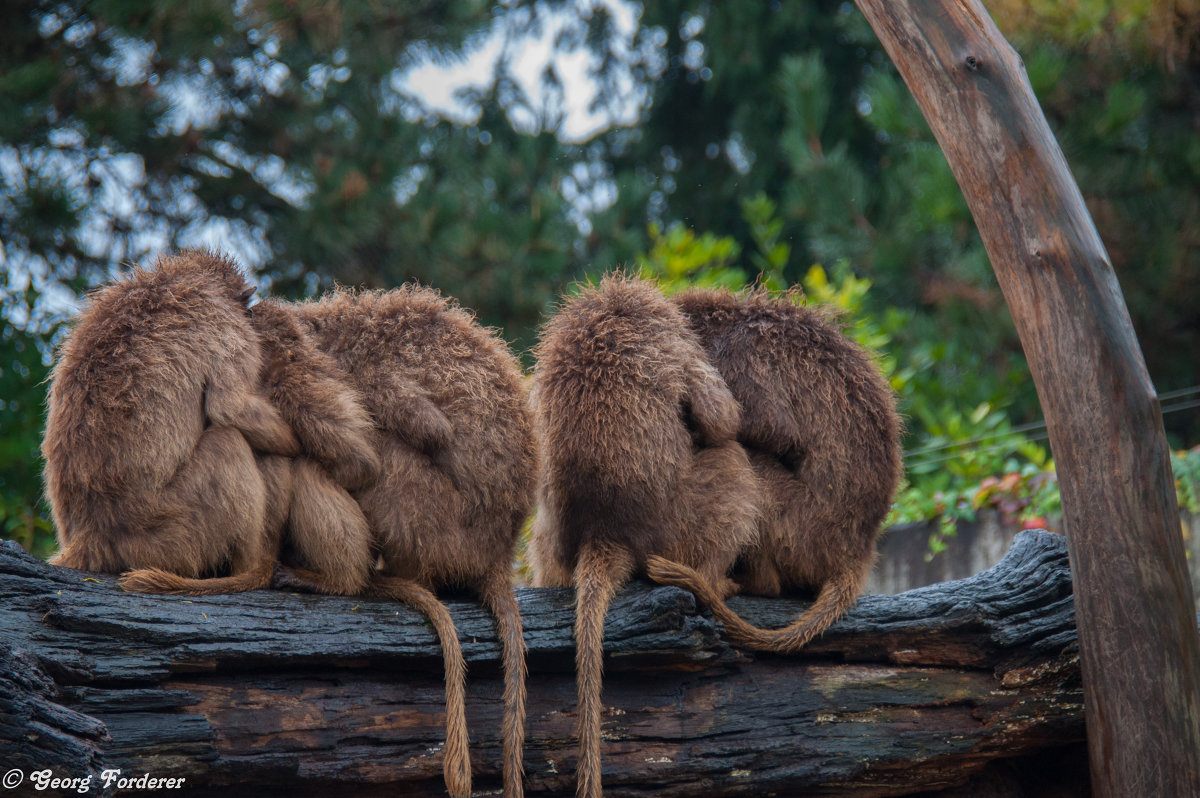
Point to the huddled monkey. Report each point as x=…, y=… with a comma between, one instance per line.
x=164, y=457
x=458, y=465
x=155, y=418
x=639, y=458
x=310, y=511
x=820, y=425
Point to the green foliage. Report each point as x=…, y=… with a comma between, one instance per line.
x=1186, y=467
x=765, y=137
x=23, y=367
x=959, y=458
x=285, y=132
x=678, y=258
x=796, y=102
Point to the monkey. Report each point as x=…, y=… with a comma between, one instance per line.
x=305, y=484
x=154, y=424
x=316, y=523
x=640, y=458
x=310, y=509
x=458, y=459
x=820, y=425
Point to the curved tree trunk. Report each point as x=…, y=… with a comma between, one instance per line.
x=1141, y=652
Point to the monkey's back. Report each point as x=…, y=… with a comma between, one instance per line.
x=469, y=375
x=818, y=417
x=609, y=387
x=126, y=399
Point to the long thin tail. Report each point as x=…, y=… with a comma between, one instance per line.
x=835, y=597
x=156, y=580
x=456, y=767
x=499, y=598
x=598, y=574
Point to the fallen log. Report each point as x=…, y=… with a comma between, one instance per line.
x=272, y=693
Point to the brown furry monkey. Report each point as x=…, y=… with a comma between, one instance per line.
x=316, y=520
x=154, y=420
x=639, y=459
x=458, y=466
x=310, y=509
x=820, y=424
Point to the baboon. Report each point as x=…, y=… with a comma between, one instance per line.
x=455, y=440
x=820, y=425
x=310, y=510
x=639, y=456
x=316, y=523
x=154, y=422
x=163, y=457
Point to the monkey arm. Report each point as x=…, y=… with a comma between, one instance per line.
x=771, y=424
x=712, y=412
x=228, y=404
x=316, y=397
x=334, y=428
x=405, y=409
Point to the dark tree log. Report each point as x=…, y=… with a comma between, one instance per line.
x=1140, y=649
x=273, y=693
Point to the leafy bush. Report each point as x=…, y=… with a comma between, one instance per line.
x=24, y=366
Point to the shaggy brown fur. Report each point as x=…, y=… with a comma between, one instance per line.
x=154, y=420
x=455, y=439
x=639, y=459
x=311, y=511
x=820, y=424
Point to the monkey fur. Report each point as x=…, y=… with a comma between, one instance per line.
x=639, y=458
x=310, y=509
x=820, y=425
x=454, y=462
x=155, y=418
x=458, y=467
x=173, y=354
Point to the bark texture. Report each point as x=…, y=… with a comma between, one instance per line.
x=954, y=685
x=1138, y=640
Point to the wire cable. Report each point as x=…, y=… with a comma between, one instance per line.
x=1040, y=425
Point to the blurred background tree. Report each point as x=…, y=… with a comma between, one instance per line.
x=705, y=141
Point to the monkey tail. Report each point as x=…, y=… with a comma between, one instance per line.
x=835, y=597
x=499, y=598
x=598, y=574
x=156, y=580
x=456, y=766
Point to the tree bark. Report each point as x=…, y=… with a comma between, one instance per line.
x=1140, y=648
x=271, y=693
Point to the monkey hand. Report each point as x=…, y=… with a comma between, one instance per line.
x=356, y=469
x=446, y=460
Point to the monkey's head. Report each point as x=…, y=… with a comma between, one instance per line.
x=222, y=270
x=754, y=314
x=619, y=325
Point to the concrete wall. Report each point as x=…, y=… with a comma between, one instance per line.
x=904, y=560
